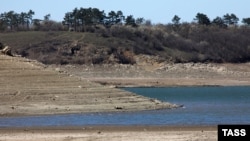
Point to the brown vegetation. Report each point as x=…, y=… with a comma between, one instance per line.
x=115, y=38
x=120, y=44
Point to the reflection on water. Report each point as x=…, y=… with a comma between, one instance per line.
x=203, y=106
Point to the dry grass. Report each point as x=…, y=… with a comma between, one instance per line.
x=190, y=43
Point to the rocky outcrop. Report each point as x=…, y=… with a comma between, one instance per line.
x=6, y=50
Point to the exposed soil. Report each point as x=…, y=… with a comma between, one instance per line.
x=30, y=88
x=148, y=72
x=141, y=133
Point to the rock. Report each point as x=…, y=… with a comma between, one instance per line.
x=118, y=108
x=7, y=51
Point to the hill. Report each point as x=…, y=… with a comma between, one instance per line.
x=120, y=44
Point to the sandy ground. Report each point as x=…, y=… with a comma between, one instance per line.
x=112, y=134
x=30, y=88
x=164, y=74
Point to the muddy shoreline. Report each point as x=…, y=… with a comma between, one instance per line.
x=164, y=82
x=28, y=87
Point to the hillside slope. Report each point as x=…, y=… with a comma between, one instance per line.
x=120, y=44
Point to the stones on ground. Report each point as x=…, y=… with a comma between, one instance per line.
x=118, y=107
x=6, y=51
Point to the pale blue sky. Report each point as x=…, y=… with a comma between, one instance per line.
x=158, y=11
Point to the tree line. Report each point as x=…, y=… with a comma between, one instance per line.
x=75, y=20
x=79, y=19
x=226, y=20
x=15, y=20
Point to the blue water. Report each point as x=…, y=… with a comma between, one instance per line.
x=202, y=106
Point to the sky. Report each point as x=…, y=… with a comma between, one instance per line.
x=158, y=11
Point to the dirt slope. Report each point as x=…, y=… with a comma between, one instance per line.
x=29, y=88
x=147, y=72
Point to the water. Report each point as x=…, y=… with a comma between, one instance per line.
x=202, y=106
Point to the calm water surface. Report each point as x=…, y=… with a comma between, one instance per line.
x=202, y=106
